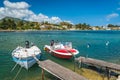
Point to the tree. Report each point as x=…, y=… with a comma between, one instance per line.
x=78, y=26
x=20, y=24
x=110, y=25
x=83, y=26
x=4, y=24
x=11, y=24
x=69, y=25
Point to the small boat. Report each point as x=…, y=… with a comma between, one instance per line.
x=64, y=51
x=24, y=56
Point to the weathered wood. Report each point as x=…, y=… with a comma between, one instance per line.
x=108, y=73
x=42, y=74
x=99, y=63
x=59, y=71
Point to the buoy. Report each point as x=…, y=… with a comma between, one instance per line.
x=88, y=45
x=107, y=43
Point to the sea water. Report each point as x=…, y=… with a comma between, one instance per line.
x=104, y=45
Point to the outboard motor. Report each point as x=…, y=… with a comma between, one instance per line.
x=52, y=43
x=27, y=44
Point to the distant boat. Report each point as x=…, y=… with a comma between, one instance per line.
x=61, y=51
x=24, y=56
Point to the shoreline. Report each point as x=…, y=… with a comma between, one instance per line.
x=51, y=30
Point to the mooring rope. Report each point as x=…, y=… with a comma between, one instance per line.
x=17, y=73
x=16, y=64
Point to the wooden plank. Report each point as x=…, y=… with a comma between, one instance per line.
x=60, y=71
x=99, y=63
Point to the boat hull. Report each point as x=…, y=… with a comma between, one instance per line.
x=26, y=62
x=25, y=56
x=54, y=53
x=62, y=56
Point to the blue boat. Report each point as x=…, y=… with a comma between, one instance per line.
x=24, y=56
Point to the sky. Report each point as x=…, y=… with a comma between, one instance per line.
x=93, y=12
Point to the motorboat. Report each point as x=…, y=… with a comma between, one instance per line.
x=24, y=56
x=60, y=50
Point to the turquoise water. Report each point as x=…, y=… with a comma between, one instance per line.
x=96, y=39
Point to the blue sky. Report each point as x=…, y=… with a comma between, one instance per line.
x=93, y=12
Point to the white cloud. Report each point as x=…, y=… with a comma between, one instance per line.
x=21, y=10
x=69, y=22
x=118, y=8
x=55, y=19
x=17, y=5
x=113, y=15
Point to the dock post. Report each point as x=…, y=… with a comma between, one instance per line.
x=80, y=63
x=42, y=74
x=74, y=65
x=108, y=73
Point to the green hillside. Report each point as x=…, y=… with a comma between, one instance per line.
x=9, y=23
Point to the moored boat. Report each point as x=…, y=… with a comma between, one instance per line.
x=60, y=50
x=24, y=56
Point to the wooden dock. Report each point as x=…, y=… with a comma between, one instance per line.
x=100, y=63
x=59, y=71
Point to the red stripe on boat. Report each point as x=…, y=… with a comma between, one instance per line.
x=65, y=51
x=62, y=51
x=62, y=56
x=72, y=50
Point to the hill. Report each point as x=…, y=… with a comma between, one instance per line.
x=10, y=23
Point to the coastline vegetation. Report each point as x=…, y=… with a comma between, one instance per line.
x=9, y=24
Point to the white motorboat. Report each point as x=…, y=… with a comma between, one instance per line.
x=60, y=50
x=24, y=56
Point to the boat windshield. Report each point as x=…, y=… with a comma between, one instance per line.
x=59, y=45
x=68, y=45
